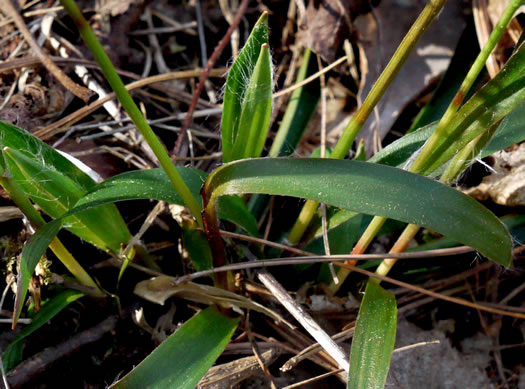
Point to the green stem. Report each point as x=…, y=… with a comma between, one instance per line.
x=131, y=108
x=432, y=9
x=423, y=158
x=37, y=221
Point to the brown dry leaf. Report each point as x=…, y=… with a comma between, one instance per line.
x=495, y=9
x=229, y=374
x=327, y=24
x=116, y=7
x=506, y=186
x=429, y=59
x=159, y=289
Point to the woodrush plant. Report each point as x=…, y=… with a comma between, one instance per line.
x=371, y=188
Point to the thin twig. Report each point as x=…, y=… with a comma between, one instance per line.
x=37, y=364
x=312, y=258
x=202, y=37
x=315, y=348
x=326, y=241
x=310, y=380
x=4, y=376
x=311, y=78
x=204, y=76
x=257, y=353
x=416, y=345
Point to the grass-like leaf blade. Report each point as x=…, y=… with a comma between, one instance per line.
x=237, y=84
x=374, y=339
x=154, y=184
x=299, y=111
x=510, y=132
x=371, y=189
x=18, y=139
x=256, y=110
x=183, y=359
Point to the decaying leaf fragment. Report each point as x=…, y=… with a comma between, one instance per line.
x=159, y=289
x=506, y=185
x=230, y=374
x=327, y=23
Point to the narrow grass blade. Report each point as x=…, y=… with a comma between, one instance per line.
x=13, y=353
x=237, y=85
x=510, y=132
x=371, y=189
x=256, y=109
x=399, y=152
x=299, y=110
x=233, y=209
x=374, y=339
x=183, y=359
x=197, y=246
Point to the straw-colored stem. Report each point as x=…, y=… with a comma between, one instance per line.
x=401, y=244
x=131, y=108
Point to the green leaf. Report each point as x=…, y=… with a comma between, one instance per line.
x=56, y=193
x=488, y=106
x=237, y=85
x=196, y=244
x=371, y=189
x=55, y=185
x=183, y=359
x=18, y=139
x=374, y=339
x=299, y=111
x=398, y=153
x=233, y=209
x=510, y=132
x=13, y=353
x=256, y=110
